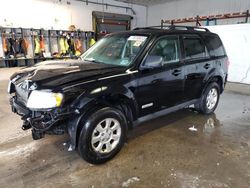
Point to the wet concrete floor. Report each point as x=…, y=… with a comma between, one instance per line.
x=159, y=153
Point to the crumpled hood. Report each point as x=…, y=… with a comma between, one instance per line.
x=56, y=73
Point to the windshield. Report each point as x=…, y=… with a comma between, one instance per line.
x=115, y=50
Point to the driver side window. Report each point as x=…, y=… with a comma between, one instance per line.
x=166, y=49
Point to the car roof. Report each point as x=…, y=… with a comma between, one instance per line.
x=158, y=30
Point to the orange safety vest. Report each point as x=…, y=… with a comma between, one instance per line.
x=5, y=45
x=42, y=45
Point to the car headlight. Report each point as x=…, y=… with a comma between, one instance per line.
x=9, y=87
x=44, y=100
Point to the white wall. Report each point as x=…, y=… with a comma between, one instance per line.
x=50, y=14
x=191, y=8
x=236, y=39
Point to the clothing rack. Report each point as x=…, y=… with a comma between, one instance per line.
x=48, y=36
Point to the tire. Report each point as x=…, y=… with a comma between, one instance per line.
x=209, y=99
x=103, y=135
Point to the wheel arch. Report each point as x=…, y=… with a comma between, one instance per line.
x=121, y=101
x=216, y=78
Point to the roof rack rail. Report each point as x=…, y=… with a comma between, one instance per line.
x=188, y=28
x=175, y=27
x=150, y=27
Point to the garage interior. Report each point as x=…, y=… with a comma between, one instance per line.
x=161, y=152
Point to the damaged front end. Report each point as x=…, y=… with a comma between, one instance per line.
x=40, y=110
x=52, y=121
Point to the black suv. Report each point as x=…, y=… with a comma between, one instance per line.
x=121, y=79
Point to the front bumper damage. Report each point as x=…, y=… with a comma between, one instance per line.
x=51, y=121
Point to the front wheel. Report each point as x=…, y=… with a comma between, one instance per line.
x=209, y=100
x=102, y=135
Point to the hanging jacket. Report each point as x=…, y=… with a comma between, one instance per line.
x=62, y=46
x=23, y=46
x=92, y=42
x=26, y=44
x=5, y=48
x=37, y=45
x=42, y=45
x=78, y=47
x=6, y=45
x=16, y=46
x=11, y=42
x=66, y=45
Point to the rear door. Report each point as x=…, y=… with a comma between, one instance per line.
x=197, y=65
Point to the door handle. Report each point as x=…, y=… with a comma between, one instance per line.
x=207, y=66
x=176, y=72
x=156, y=81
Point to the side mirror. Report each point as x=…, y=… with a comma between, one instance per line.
x=153, y=61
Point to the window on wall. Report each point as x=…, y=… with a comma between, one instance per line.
x=168, y=49
x=194, y=47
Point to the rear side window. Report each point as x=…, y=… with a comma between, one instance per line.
x=194, y=47
x=214, y=46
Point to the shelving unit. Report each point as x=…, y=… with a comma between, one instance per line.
x=209, y=18
x=51, y=42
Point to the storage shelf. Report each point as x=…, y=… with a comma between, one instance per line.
x=198, y=18
x=51, y=41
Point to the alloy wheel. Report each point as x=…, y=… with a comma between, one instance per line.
x=106, y=135
x=212, y=98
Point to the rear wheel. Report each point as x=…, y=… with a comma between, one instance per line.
x=209, y=99
x=102, y=135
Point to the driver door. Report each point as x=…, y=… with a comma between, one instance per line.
x=161, y=78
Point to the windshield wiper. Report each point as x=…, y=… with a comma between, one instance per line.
x=92, y=60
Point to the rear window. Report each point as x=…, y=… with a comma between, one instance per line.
x=194, y=47
x=214, y=46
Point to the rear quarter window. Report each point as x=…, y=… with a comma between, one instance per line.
x=194, y=47
x=214, y=46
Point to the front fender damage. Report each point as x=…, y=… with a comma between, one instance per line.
x=73, y=126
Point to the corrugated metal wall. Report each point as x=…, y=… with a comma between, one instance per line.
x=191, y=8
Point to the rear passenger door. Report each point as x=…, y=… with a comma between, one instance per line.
x=197, y=65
